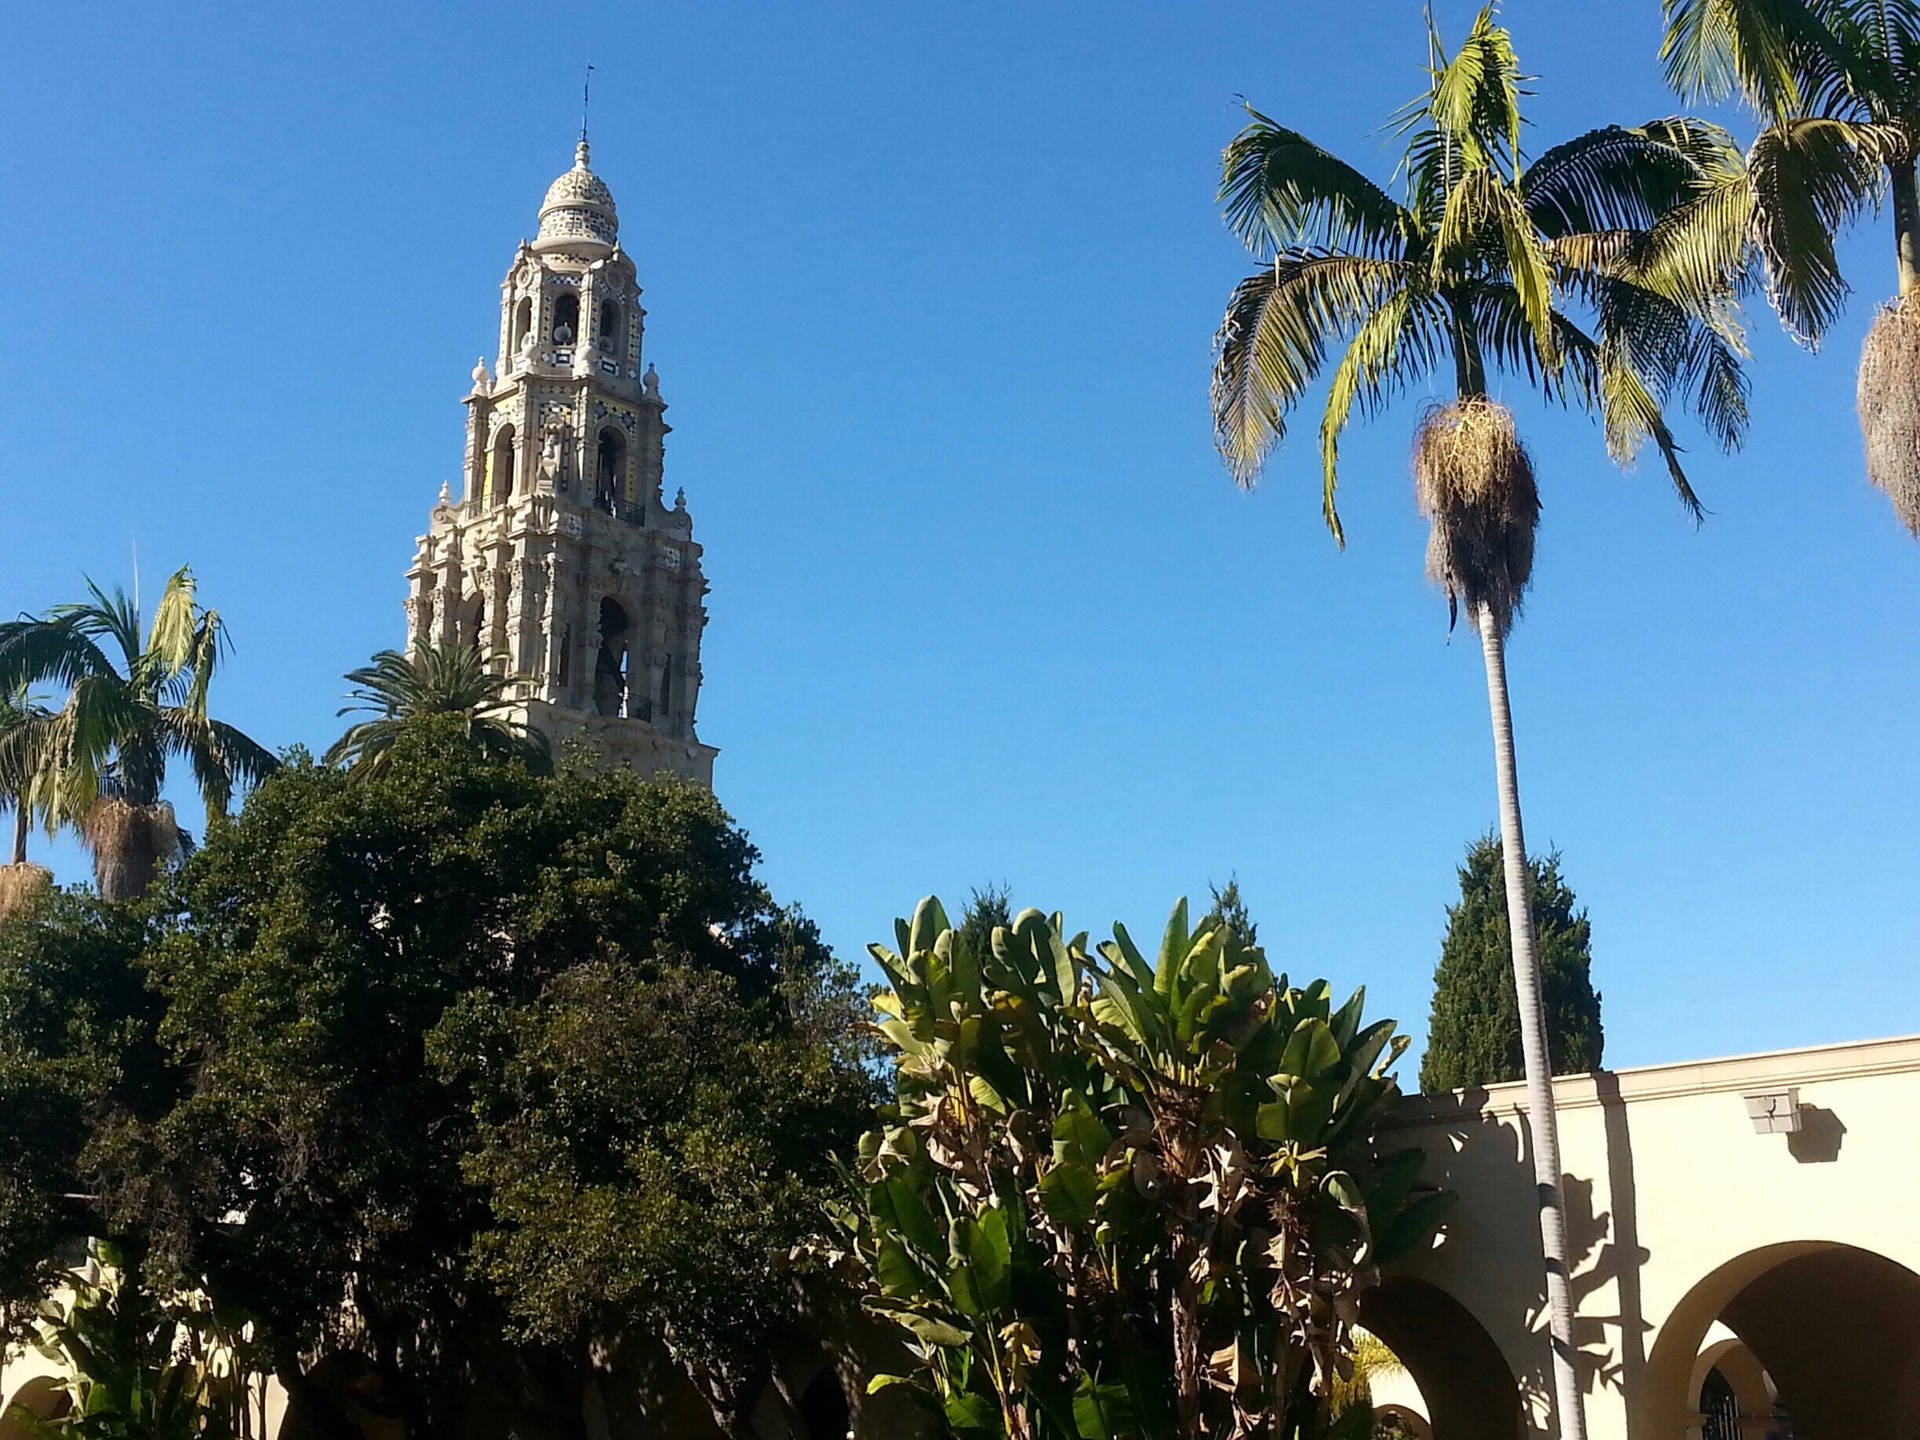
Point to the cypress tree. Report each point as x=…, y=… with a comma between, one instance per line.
x=1231, y=911
x=989, y=907
x=1473, y=1037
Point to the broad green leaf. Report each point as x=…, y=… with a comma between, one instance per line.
x=1174, y=944
x=1123, y=951
x=972, y=1414
x=929, y=920
x=1080, y=1137
x=1067, y=1194
x=897, y=1206
x=990, y=1249
x=1103, y=1412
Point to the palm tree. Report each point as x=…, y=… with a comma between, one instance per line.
x=1476, y=266
x=1836, y=87
x=434, y=680
x=110, y=743
x=25, y=725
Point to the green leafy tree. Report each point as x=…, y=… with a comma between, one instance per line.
x=1473, y=1037
x=1117, y=1197
x=434, y=680
x=82, y=1077
x=498, y=1068
x=1489, y=263
x=1835, y=85
x=123, y=721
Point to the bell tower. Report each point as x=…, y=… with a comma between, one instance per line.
x=560, y=560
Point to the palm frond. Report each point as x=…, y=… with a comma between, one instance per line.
x=1618, y=178
x=1630, y=416
x=1274, y=340
x=1870, y=68
x=1475, y=97
x=1809, y=179
x=1715, y=49
x=1400, y=340
x=1485, y=209
x=113, y=616
x=221, y=757
x=1280, y=191
x=171, y=640
x=51, y=652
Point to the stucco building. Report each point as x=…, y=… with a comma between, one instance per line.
x=561, y=559
x=1746, y=1253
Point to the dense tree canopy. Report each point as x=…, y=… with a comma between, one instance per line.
x=1473, y=1037
x=458, y=1068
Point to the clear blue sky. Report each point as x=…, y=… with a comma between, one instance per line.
x=932, y=290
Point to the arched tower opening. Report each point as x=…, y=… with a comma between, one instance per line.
x=566, y=319
x=610, y=667
x=610, y=470
x=500, y=470
x=522, y=322
x=612, y=330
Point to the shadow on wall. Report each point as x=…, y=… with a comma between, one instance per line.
x=1817, y=1141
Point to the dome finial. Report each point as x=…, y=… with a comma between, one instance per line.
x=586, y=109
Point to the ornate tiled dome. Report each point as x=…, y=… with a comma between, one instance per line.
x=578, y=212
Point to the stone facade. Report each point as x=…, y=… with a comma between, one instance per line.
x=560, y=558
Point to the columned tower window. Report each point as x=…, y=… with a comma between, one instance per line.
x=610, y=470
x=610, y=327
x=500, y=473
x=522, y=322
x=610, y=667
x=566, y=319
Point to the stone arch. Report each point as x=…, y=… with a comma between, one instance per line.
x=566, y=319
x=500, y=467
x=522, y=323
x=1835, y=1328
x=43, y=1398
x=1465, y=1381
x=610, y=665
x=1729, y=1362
x=806, y=1398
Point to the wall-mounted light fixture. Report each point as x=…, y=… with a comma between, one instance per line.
x=1774, y=1112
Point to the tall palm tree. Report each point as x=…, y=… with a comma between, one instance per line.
x=25, y=727
x=121, y=723
x=1835, y=85
x=1480, y=269
x=434, y=680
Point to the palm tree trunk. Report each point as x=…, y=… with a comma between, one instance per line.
x=1533, y=1041
x=1906, y=224
x=19, y=829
